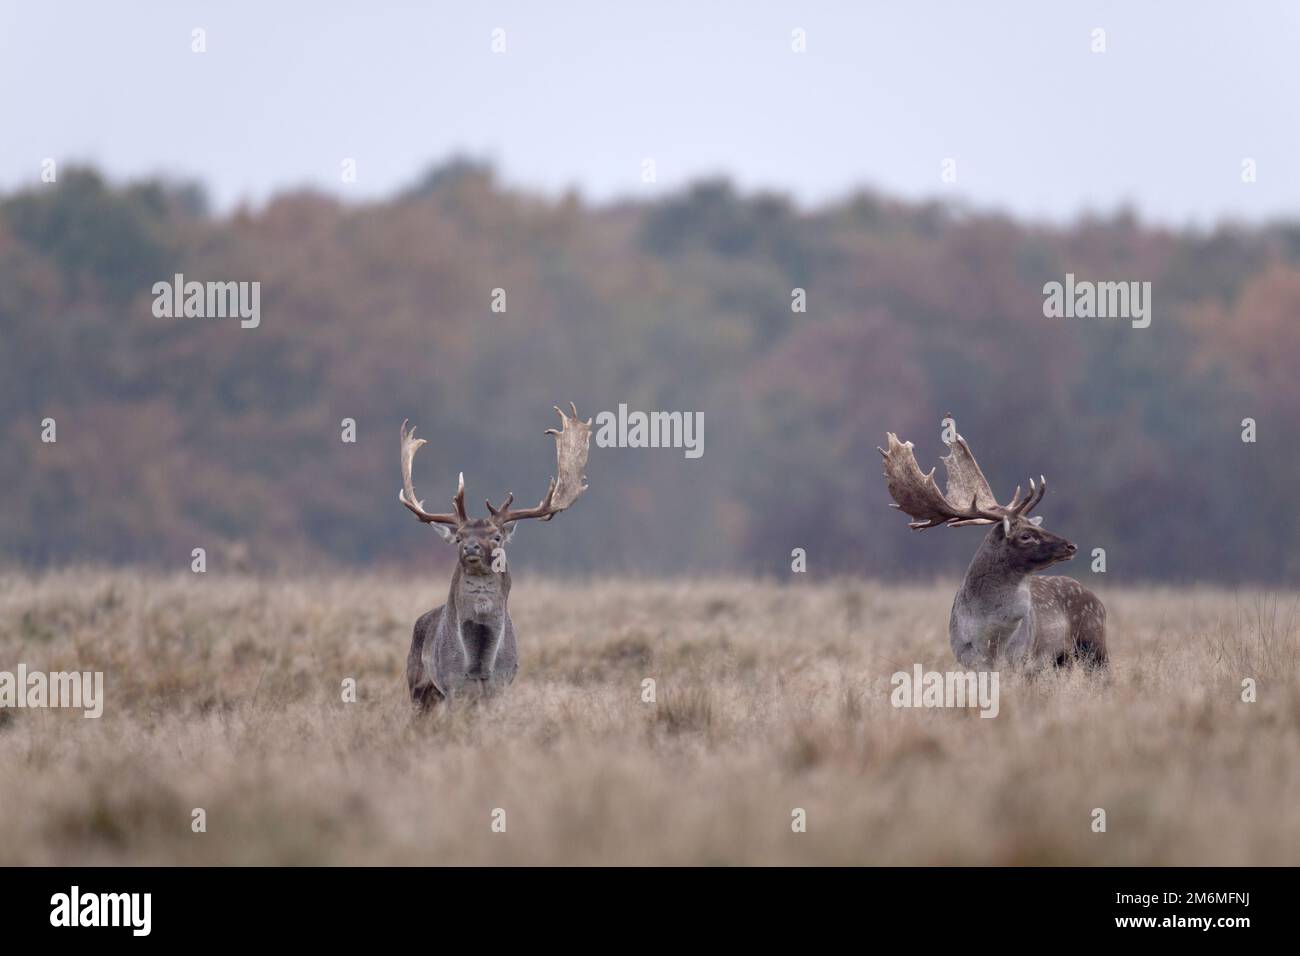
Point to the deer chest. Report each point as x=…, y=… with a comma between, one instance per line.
x=481, y=601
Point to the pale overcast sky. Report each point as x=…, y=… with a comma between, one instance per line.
x=1039, y=125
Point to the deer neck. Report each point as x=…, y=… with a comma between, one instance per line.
x=479, y=597
x=990, y=581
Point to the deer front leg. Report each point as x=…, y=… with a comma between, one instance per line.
x=1019, y=645
x=965, y=638
x=506, y=660
x=499, y=661
x=482, y=643
x=486, y=674
x=419, y=678
x=965, y=651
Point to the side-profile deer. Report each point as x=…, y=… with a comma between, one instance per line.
x=1003, y=612
x=469, y=642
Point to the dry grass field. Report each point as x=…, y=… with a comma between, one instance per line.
x=225, y=694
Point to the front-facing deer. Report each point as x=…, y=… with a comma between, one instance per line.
x=1003, y=612
x=469, y=642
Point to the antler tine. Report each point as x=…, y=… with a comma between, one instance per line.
x=1034, y=499
x=458, y=502
x=406, y=494
x=1015, y=500
x=545, y=509
x=563, y=419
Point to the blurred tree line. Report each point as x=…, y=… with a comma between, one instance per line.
x=182, y=433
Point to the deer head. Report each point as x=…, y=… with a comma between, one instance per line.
x=480, y=540
x=1022, y=544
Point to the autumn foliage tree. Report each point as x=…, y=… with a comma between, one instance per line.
x=179, y=433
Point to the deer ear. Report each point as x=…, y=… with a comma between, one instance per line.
x=447, y=531
x=1036, y=520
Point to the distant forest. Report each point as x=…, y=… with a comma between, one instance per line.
x=176, y=433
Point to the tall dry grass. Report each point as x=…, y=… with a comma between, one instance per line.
x=225, y=694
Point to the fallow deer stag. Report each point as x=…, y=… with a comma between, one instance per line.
x=1003, y=612
x=469, y=642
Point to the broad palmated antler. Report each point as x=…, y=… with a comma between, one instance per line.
x=406, y=494
x=969, y=500
x=572, y=442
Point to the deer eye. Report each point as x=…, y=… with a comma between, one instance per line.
x=1026, y=537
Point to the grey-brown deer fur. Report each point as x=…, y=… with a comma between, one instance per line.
x=470, y=640
x=468, y=644
x=1003, y=613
